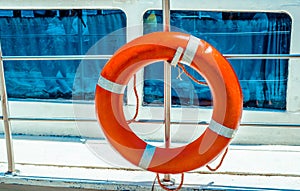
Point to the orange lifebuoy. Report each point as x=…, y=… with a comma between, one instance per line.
x=169, y=46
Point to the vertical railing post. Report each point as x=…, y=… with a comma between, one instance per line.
x=167, y=83
x=80, y=51
x=5, y=114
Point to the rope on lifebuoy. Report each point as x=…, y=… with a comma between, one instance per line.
x=177, y=48
x=170, y=189
x=220, y=163
x=137, y=105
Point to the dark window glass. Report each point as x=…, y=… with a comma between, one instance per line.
x=56, y=32
x=263, y=81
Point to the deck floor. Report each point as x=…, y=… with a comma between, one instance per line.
x=71, y=165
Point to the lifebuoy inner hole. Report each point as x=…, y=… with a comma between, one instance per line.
x=187, y=125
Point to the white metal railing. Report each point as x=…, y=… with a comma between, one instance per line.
x=4, y=101
x=142, y=121
x=5, y=113
x=58, y=57
x=106, y=57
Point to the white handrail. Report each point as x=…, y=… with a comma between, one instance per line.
x=5, y=113
x=106, y=57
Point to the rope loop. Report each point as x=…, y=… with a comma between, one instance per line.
x=190, y=76
x=220, y=164
x=166, y=187
x=137, y=101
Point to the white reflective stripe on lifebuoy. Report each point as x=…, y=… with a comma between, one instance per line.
x=147, y=156
x=177, y=56
x=190, y=50
x=221, y=129
x=111, y=86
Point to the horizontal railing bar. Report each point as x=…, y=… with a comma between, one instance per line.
x=234, y=34
x=206, y=123
x=261, y=56
x=146, y=121
x=106, y=57
x=51, y=119
x=58, y=57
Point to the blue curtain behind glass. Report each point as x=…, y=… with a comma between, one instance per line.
x=68, y=32
x=74, y=32
x=264, y=82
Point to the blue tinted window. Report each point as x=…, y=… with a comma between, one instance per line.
x=264, y=82
x=56, y=32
